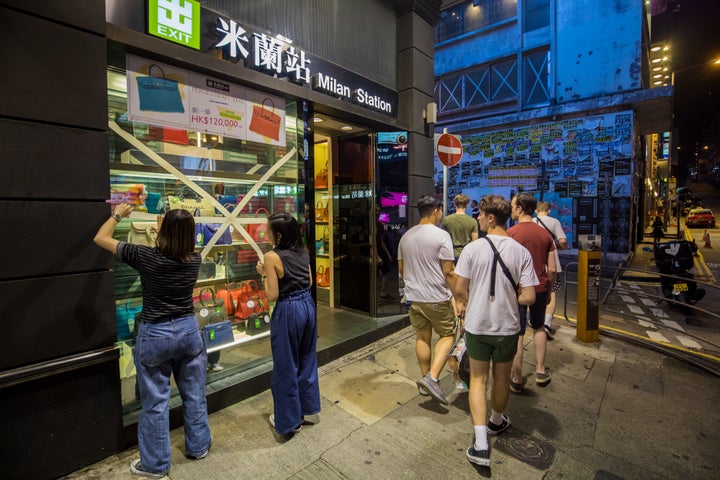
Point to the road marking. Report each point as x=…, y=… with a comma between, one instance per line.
x=673, y=324
x=627, y=298
x=658, y=313
x=658, y=337
x=688, y=342
x=646, y=324
x=635, y=309
x=649, y=302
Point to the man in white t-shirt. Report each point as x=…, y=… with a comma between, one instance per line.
x=554, y=227
x=426, y=263
x=494, y=275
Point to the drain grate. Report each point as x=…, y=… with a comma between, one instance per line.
x=527, y=449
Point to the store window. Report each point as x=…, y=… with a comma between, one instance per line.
x=241, y=166
x=536, y=14
x=474, y=15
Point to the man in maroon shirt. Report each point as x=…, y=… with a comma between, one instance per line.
x=542, y=249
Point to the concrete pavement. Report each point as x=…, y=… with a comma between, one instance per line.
x=612, y=411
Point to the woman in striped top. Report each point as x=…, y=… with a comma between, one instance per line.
x=169, y=340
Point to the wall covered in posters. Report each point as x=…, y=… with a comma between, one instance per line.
x=583, y=167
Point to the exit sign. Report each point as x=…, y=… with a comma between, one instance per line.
x=176, y=21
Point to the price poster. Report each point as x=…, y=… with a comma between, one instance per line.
x=217, y=106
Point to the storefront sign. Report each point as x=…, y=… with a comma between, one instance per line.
x=176, y=21
x=164, y=95
x=187, y=23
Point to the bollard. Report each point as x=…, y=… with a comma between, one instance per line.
x=588, y=294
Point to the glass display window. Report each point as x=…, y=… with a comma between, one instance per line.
x=230, y=182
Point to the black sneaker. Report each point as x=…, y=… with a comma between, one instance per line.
x=515, y=387
x=543, y=378
x=137, y=469
x=549, y=331
x=294, y=430
x=478, y=457
x=493, y=429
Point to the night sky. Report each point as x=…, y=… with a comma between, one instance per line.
x=695, y=40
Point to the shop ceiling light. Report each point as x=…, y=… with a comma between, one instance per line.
x=655, y=48
x=346, y=127
x=656, y=60
x=657, y=68
x=317, y=119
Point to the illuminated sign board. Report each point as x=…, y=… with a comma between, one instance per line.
x=176, y=21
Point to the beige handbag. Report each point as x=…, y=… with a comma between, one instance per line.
x=143, y=233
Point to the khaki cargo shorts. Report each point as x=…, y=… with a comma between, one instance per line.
x=438, y=316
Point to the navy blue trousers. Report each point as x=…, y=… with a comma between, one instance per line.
x=293, y=338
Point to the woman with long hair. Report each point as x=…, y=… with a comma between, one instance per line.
x=293, y=326
x=169, y=340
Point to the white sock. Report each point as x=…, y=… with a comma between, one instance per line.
x=481, y=442
x=433, y=379
x=496, y=418
x=548, y=319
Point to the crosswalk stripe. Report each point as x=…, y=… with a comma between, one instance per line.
x=627, y=298
x=688, y=342
x=649, y=302
x=635, y=309
x=646, y=324
x=673, y=324
x=659, y=313
x=658, y=337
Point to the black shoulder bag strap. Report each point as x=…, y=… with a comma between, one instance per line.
x=546, y=228
x=498, y=259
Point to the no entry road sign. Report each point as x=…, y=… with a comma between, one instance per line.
x=449, y=149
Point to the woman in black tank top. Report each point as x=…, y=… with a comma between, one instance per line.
x=293, y=325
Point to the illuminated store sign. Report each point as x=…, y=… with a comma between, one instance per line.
x=187, y=23
x=176, y=21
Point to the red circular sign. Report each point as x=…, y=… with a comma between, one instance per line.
x=449, y=149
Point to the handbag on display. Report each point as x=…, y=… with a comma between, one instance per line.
x=258, y=324
x=321, y=211
x=159, y=94
x=229, y=296
x=188, y=200
x=265, y=122
x=143, y=233
x=168, y=135
x=131, y=193
x=257, y=230
x=154, y=203
x=208, y=306
x=227, y=201
x=125, y=320
x=208, y=270
x=218, y=331
x=251, y=302
x=247, y=256
x=321, y=178
x=320, y=247
x=322, y=276
x=205, y=231
x=285, y=204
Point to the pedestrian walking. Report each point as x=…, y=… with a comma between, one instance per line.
x=169, y=340
x=426, y=264
x=554, y=228
x=287, y=277
x=488, y=299
x=657, y=230
x=462, y=228
x=542, y=249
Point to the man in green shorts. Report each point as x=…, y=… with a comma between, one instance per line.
x=494, y=275
x=462, y=228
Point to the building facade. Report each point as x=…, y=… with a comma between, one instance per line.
x=232, y=110
x=552, y=97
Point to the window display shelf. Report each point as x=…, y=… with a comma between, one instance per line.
x=151, y=171
x=240, y=338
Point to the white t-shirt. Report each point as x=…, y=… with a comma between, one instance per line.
x=422, y=250
x=554, y=225
x=496, y=315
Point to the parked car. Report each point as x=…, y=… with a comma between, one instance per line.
x=700, y=217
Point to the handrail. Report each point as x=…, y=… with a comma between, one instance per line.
x=48, y=368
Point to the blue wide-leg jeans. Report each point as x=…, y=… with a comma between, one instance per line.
x=293, y=339
x=174, y=347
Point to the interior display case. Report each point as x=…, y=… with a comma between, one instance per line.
x=231, y=185
x=323, y=223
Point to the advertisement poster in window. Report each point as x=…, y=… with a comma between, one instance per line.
x=217, y=106
x=157, y=93
x=266, y=118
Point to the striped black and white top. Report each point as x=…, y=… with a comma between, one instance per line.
x=167, y=285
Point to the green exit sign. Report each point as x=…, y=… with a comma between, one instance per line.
x=176, y=21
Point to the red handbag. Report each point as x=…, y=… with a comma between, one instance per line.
x=322, y=276
x=251, y=302
x=265, y=122
x=257, y=230
x=168, y=135
x=229, y=296
x=321, y=178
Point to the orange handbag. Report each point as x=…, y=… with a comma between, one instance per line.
x=229, y=295
x=321, y=212
x=322, y=276
x=251, y=301
x=321, y=178
x=265, y=122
